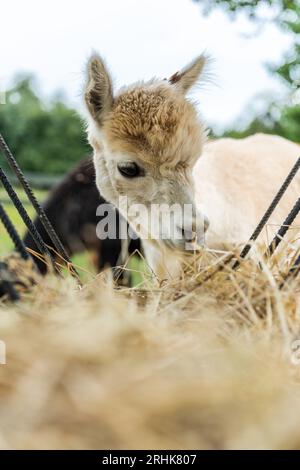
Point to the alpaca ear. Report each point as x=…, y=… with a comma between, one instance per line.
x=98, y=92
x=188, y=76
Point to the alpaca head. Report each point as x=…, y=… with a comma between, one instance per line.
x=146, y=140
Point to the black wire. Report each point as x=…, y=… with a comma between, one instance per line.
x=38, y=208
x=283, y=229
x=267, y=214
x=24, y=215
x=12, y=232
x=293, y=272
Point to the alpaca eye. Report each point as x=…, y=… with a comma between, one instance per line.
x=130, y=169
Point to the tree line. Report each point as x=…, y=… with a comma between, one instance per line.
x=45, y=137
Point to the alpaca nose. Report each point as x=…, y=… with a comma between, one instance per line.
x=205, y=223
x=191, y=233
x=188, y=235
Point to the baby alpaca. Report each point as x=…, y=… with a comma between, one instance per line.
x=150, y=146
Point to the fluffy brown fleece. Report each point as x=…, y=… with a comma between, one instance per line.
x=186, y=365
x=151, y=121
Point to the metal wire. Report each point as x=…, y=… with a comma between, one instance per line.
x=24, y=214
x=12, y=232
x=267, y=214
x=38, y=208
x=283, y=229
x=295, y=270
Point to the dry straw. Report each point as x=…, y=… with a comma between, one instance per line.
x=215, y=367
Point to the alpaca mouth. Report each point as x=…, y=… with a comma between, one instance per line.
x=187, y=239
x=206, y=223
x=183, y=246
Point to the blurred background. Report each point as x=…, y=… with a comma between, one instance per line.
x=253, y=84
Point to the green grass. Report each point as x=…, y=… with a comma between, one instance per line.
x=5, y=242
x=4, y=198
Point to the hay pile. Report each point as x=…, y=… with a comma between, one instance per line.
x=212, y=367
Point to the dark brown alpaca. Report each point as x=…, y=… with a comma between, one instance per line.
x=71, y=207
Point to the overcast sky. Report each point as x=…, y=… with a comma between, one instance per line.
x=139, y=39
